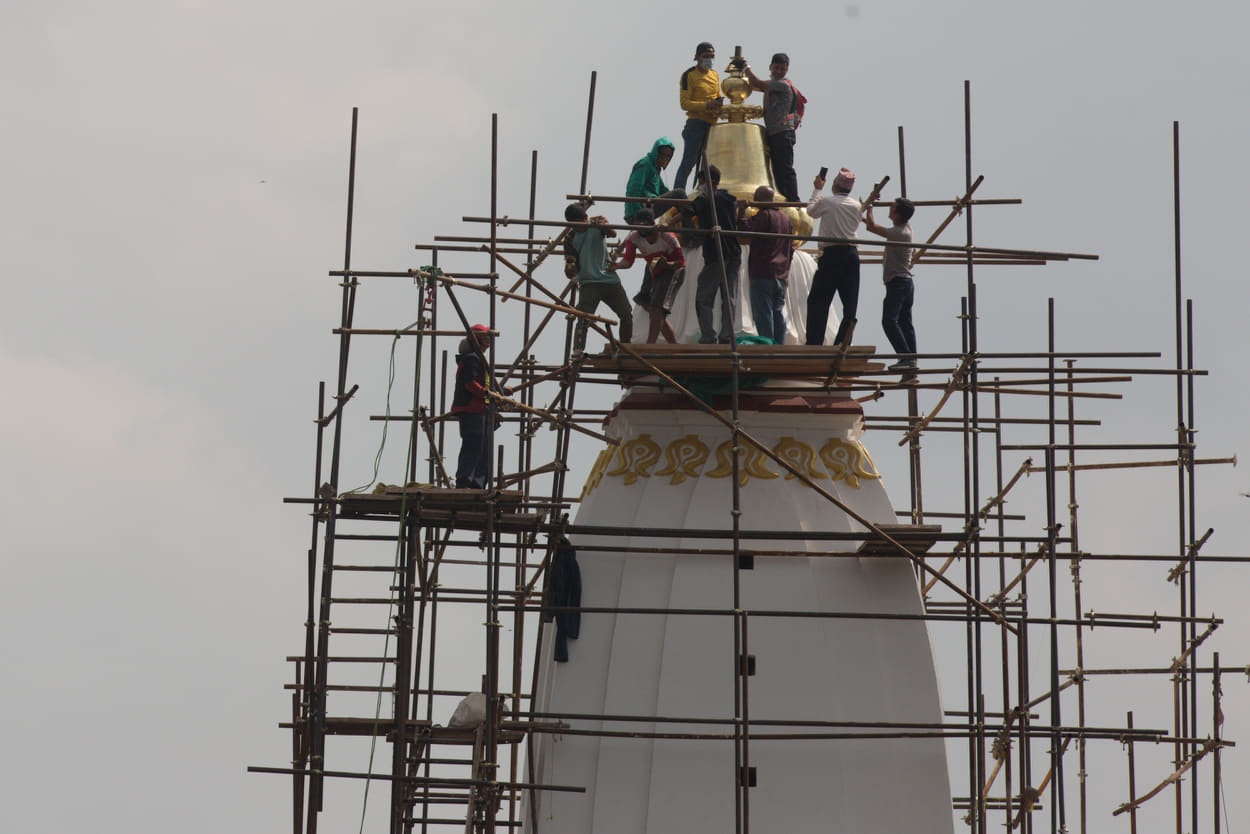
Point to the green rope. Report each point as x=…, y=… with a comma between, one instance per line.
x=390, y=384
x=704, y=387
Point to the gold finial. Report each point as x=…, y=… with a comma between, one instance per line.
x=736, y=88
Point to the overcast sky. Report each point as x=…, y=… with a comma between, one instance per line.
x=174, y=181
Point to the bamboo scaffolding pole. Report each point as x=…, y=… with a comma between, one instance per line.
x=1001, y=597
x=454, y=282
x=427, y=425
x=957, y=209
x=1209, y=746
x=551, y=247
x=951, y=387
x=873, y=195
x=606, y=198
x=552, y=419
x=1180, y=662
x=531, y=242
x=980, y=388
x=974, y=250
x=1192, y=551
x=1134, y=464
x=1030, y=796
x=453, y=247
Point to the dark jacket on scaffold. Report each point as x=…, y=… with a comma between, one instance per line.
x=476, y=424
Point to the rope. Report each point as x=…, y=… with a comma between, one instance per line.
x=423, y=278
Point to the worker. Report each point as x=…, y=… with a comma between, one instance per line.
x=666, y=271
x=768, y=264
x=644, y=179
x=782, y=113
x=474, y=411
x=716, y=209
x=701, y=99
x=837, y=270
x=586, y=261
x=900, y=291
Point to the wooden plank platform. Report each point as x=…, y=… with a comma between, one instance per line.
x=918, y=538
x=348, y=726
x=435, y=507
x=773, y=361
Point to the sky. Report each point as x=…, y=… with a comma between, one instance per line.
x=174, y=193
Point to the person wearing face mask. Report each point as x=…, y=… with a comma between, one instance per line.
x=701, y=99
x=781, y=115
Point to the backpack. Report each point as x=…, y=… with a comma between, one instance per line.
x=798, y=105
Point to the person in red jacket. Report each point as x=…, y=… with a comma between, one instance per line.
x=471, y=405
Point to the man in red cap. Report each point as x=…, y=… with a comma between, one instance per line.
x=470, y=404
x=837, y=271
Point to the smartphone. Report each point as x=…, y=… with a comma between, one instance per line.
x=824, y=172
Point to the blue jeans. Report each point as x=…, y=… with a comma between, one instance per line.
x=837, y=273
x=708, y=285
x=768, y=304
x=476, y=446
x=693, y=137
x=896, y=315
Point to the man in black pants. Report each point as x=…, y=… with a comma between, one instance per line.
x=780, y=120
x=719, y=208
x=470, y=405
x=837, y=272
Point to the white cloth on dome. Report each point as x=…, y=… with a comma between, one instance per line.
x=686, y=324
x=470, y=712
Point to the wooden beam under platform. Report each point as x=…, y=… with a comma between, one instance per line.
x=919, y=538
x=773, y=361
x=351, y=726
x=438, y=507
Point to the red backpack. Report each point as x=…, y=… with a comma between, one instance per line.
x=798, y=107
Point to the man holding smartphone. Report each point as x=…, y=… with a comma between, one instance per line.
x=837, y=271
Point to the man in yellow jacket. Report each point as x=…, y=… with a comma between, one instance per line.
x=701, y=99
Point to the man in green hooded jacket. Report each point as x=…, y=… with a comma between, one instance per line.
x=644, y=180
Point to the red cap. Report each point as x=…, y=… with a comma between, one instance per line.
x=480, y=328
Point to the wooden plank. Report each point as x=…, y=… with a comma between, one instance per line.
x=918, y=538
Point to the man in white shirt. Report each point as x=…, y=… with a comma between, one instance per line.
x=837, y=271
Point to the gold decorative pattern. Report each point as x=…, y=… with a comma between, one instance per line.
x=596, y=471
x=799, y=455
x=848, y=461
x=752, y=463
x=635, y=458
x=684, y=458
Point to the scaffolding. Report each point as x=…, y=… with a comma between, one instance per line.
x=419, y=594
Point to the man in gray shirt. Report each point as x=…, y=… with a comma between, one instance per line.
x=780, y=120
x=899, y=289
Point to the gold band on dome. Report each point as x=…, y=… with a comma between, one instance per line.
x=684, y=458
x=848, y=461
x=751, y=462
x=635, y=458
x=842, y=460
